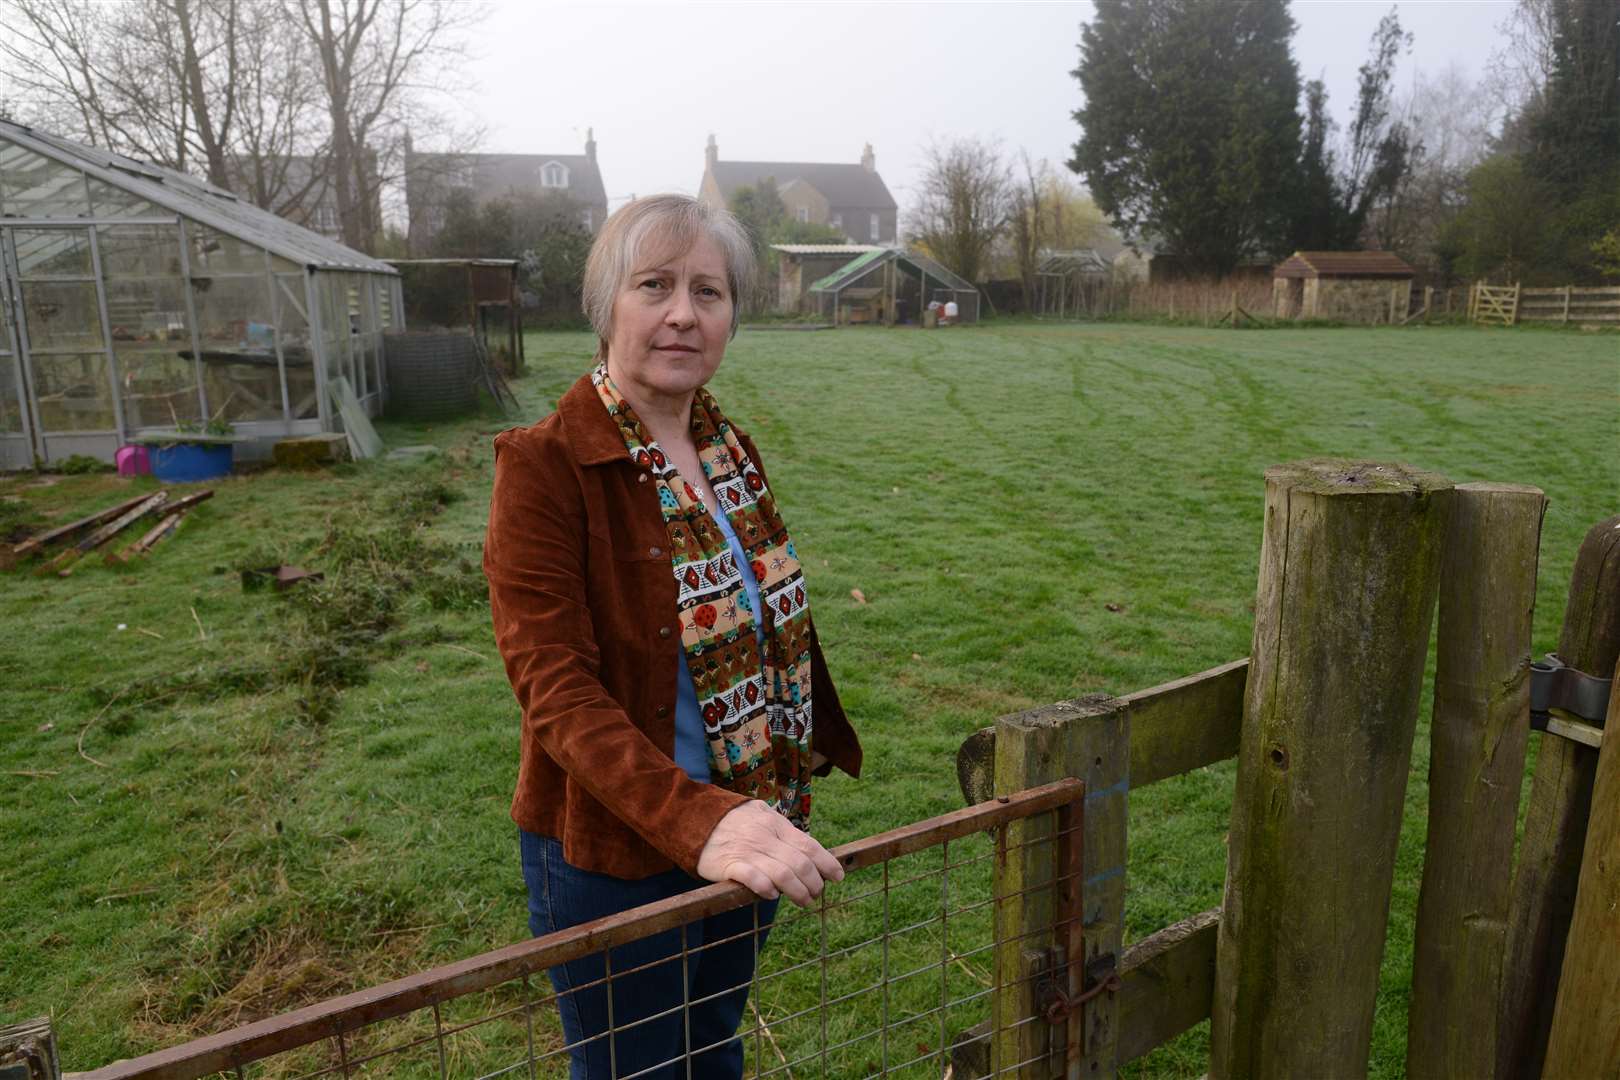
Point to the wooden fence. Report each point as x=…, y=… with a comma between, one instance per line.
x=1321, y=720
x=1509, y=304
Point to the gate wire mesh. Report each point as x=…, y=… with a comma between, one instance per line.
x=883, y=976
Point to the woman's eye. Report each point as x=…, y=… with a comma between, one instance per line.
x=652, y=283
x=711, y=292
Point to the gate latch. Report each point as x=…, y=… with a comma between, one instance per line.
x=1101, y=977
x=1555, y=685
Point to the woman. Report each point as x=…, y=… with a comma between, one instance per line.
x=650, y=608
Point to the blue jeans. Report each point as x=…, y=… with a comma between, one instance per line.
x=653, y=1032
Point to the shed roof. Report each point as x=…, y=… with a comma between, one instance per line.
x=854, y=271
x=1318, y=264
x=851, y=250
x=1079, y=260
x=845, y=186
x=196, y=199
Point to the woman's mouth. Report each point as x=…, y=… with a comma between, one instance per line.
x=675, y=348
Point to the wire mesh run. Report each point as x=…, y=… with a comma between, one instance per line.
x=893, y=973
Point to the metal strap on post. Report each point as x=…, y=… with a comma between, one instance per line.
x=1555, y=685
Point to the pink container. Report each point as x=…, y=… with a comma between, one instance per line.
x=133, y=461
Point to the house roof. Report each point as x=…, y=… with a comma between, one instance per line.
x=196, y=199
x=520, y=172
x=825, y=249
x=849, y=187
x=1373, y=264
x=852, y=272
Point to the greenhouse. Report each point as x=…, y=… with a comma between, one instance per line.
x=137, y=300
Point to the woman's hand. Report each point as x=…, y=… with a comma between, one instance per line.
x=757, y=848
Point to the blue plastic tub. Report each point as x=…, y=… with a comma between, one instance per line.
x=187, y=463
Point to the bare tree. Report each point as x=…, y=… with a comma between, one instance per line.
x=963, y=204
x=373, y=56
x=1027, y=213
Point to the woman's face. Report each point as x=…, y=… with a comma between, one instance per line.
x=670, y=324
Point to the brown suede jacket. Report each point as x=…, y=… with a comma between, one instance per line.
x=583, y=596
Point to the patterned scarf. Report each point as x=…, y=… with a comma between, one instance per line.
x=756, y=715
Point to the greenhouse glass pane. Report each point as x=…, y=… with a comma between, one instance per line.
x=45, y=253
x=214, y=252
x=32, y=185
x=284, y=266
x=296, y=348
x=238, y=335
x=72, y=392
x=108, y=201
x=10, y=398
x=61, y=315
x=139, y=250
x=147, y=312
x=159, y=385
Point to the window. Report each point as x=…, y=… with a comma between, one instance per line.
x=553, y=174
x=462, y=176
x=874, y=226
x=838, y=221
x=326, y=219
x=588, y=219
x=804, y=214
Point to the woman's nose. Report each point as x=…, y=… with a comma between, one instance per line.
x=680, y=312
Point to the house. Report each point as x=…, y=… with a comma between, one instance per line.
x=299, y=188
x=851, y=197
x=433, y=180
x=1350, y=286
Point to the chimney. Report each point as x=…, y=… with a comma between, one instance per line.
x=868, y=159
x=711, y=153
x=590, y=145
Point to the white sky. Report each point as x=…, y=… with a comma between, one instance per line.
x=814, y=81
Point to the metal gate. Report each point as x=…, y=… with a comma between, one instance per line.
x=894, y=972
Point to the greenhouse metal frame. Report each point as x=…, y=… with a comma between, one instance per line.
x=934, y=282
x=135, y=300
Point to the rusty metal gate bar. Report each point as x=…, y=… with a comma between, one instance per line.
x=339, y=1020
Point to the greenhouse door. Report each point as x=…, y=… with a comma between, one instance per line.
x=17, y=447
x=59, y=325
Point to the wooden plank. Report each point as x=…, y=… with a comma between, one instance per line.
x=35, y=543
x=1168, y=983
x=1478, y=736
x=1186, y=724
x=1349, y=571
x=1088, y=739
x=1176, y=727
x=1585, y=1038
x=63, y=562
x=1548, y=870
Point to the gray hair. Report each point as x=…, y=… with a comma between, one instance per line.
x=650, y=230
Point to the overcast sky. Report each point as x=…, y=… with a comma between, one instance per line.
x=814, y=81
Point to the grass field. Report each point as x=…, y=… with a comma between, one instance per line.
x=219, y=804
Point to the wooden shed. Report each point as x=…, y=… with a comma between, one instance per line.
x=1349, y=286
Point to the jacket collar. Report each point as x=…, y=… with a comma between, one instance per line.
x=591, y=431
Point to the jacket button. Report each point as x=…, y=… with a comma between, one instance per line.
x=663, y=631
x=641, y=479
x=663, y=710
x=655, y=551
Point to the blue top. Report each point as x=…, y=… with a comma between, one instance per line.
x=691, y=744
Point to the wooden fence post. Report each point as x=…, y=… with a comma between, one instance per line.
x=1349, y=569
x=1479, y=733
x=1089, y=739
x=1585, y=1039
x=1548, y=870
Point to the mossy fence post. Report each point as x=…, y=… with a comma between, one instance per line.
x=1549, y=864
x=1089, y=739
x=1585, y=1037
x=1349, y=569
x=1479, y=732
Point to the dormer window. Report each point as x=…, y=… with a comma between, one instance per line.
x=553, y=174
